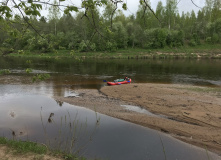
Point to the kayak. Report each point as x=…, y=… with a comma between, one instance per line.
x=119, y=83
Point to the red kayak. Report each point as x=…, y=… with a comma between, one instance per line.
x=119, y=83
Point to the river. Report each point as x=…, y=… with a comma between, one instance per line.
x=29, y=112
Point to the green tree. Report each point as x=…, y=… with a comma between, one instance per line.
x=155, y=38
x=54, y=15
x=109, y=13
x=193, y=22
x=201, y=24
x=170, y=13
x=143, y=15
x=216, y=10
x=208, y=10
x=130, y=27
x=160, y=12
x=120, y=35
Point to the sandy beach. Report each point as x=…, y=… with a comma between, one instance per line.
x=189, y=113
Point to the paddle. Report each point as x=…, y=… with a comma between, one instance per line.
x=104, y=81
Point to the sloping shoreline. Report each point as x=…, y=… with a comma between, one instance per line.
x=193, y=113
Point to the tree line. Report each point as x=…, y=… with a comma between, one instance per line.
x=110, y=29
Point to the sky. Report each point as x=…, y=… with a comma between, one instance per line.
x=183, y=5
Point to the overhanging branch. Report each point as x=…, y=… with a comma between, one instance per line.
x=27, y=20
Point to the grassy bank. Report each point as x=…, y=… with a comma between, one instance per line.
x=201, y=51
x=13, y=149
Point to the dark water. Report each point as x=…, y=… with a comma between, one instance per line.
x=91, y=73
x=32, y=113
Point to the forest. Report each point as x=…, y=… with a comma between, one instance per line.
x=109, y=29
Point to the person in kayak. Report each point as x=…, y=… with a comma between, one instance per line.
x=121, y=80
x=126, y=78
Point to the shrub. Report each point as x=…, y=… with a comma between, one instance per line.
x=215, y=38
x=192, y=43
x=196, y=38
x=155, y=38
x=83, y=46
x=175, y=38
x=111, y=46
x=209, y=40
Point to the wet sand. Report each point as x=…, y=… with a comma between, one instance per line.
x=191, y=114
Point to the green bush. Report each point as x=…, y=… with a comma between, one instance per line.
x=93, y=47
x=215, y=38
x=192, y=43
x=175, y=38
x=196, y=38
x=120, y=35
x=209, y=40
x=83, y=46
x=40, y=44
x=71, y=45
x=155, y=38
x=111, y=46
x=5, y=71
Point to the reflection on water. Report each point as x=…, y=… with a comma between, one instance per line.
x=60, y=103
x=12, y=114
x=40, y=118
x=50, y=118
x=90, y=73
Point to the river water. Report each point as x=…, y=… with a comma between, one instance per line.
x=28, y=111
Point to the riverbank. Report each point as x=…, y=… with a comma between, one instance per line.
x=191, y=114
x=7, y=153
x=202, y=51
x=26, y=150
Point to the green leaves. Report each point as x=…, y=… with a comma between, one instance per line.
x=70, y=9
x=28, y=70
x=104, y=2
x=124, y=6
x=33, y=9
x=20, y=52
x=40, y=77
x=141, y=2
x=5, y=10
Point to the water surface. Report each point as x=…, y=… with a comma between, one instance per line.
x=31, y=113
x=90, y=73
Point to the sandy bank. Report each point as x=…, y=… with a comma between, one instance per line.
x=193, y=113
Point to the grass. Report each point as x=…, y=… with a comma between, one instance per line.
x=24, y=146
x=17, y=148
x=204, y=51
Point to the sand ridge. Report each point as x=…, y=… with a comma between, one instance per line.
x=193, y=113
